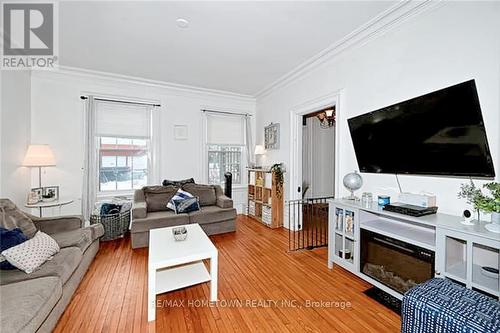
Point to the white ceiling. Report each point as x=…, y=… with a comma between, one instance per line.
x=233, y=46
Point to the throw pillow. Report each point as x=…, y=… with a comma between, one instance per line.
x=178, y=183
x=179, y=195
x=30, y=255
x=186, y=205
x=12, y=217
x=8, y=239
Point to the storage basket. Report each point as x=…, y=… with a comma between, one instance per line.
x=267, y=216
x=115, y=225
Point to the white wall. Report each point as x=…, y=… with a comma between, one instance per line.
x=14, y=135
x=57, y=119
x=448, y=44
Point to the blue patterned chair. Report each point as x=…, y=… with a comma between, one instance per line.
x=442, y=306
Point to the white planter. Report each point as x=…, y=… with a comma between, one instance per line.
x=494, y=226
x=495, y=218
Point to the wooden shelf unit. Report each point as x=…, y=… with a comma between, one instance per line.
x=264, y=203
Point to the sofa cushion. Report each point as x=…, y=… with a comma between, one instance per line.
x=159, y=220
x=212, y=214
x=81, y=238
x=62, y=265
x=25, y=305
x=157, y=197
x=11, y=217
x=206, y=193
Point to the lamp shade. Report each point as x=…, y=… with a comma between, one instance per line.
x=259, y=150
x=38, y=156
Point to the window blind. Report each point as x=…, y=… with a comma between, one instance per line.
x=123, y=120
x=225, y=129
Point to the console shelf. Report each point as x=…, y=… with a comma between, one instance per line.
x=420, y=236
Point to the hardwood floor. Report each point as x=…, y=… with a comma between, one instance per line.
x=254, y=266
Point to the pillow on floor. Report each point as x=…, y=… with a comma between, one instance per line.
x=31, y=254
x=8, y=239
x=186, y=205
x=178, y=196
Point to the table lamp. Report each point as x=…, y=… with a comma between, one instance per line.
x=39, y=156
x=259, y=150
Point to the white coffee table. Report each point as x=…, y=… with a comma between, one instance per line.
x=177, y=264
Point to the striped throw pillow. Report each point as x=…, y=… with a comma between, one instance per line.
x=178, y=196
x=186, y=205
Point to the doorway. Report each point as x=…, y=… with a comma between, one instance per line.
x=318, y=153
x=313, y=171
x=296, y=136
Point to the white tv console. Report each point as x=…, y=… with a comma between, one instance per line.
x=460, y=250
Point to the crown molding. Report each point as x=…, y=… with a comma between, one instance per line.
x=379, y=25
x=99, y=75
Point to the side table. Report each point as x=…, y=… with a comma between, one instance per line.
x=47, y=204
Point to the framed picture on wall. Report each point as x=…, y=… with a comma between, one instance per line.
x=180, y=132
x=272, y=136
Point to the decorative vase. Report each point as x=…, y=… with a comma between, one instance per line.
x=494, y=226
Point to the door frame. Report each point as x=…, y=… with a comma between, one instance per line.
x=296, y=114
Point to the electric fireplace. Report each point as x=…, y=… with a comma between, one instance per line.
x=396, y=264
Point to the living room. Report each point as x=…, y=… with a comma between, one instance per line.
x=142, y=97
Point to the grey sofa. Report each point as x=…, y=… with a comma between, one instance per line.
x=149, y=211
x=35, y=302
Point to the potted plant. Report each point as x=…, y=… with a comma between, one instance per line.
x=278, y=171
x=488, y=203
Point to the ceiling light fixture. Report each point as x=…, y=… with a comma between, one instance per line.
x=182, y=23
x=327, y=118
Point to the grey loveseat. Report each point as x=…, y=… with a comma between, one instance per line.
x=35, y=302
x=150, y=211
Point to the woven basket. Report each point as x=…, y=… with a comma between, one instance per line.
x=115, y=225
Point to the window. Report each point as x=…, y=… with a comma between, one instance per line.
x=123, y=163
x=222, y=159
x=123, y=139
x=225, y=147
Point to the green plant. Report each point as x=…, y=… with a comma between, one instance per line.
x=277, y=170
x=486, y=203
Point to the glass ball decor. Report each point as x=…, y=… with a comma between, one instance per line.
x=353, y=182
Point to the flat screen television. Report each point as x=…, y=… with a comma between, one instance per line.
x=440, y=133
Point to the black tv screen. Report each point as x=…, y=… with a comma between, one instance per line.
x=441, y=133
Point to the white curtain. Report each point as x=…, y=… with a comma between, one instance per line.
x=249, y=141
x=225, y=129
x=116, y=120
x=89, y=169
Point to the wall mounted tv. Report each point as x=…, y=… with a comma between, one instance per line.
x=441, y=133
